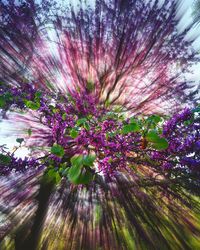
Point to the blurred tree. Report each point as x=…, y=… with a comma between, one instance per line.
x=94, y=84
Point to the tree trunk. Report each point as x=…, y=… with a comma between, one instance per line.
x=32, y=240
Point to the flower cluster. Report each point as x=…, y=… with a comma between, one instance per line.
x=80, y=126
x=9, y=163
x=182, y=157
x=11, y=96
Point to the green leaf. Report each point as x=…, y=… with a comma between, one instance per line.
x=63, y=165
x=76, y=160
x=57, y=177
x=78, y=175
x=65, y=172
x=51, y=107
x=155, y=118
x=90, y=86
x=53, y=175
x=29, y=131
x=89, y=117
x=107, y=103
x=152, y=136
x=188, y=122
x=5, y=159
x=64, y=116
x=152, y=121
x=73, y=133
x=132, y=127
x=54, y=110
x=20, y=140
x=57, y=150
x=126, y=129
x=86, y=126
x=8, y=96
x=85, y=177
x=110, y=135
x=133, y=120
x=38, y=94
x=196, y=110
x=88, y=160
x=81, y=121
x=118, y=109
x=135, y=126
x=78, y=89
x=2, y=102
x=157, y=142
x=70, y=98
x=74, y=172
x=32, y=105
x=160, y=144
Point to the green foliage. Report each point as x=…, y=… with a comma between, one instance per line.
x=73, y=133
x=77, y=173
x=110, y=116
x=57, y=150
x=5, y=159
x=86, y=126
x=64, y=116
x=76, y=160
x=74, y=173
x=2, y=102
x=8, y=96
x=88, y=160
x=90, y=86
x=32, y=105
x=29, y=131
x=152, y=122
x=52, y=175
x=5, y=98
x=70, y=98
x=152, y=136
x=55, y=111
x=83, y=122
x=107, y=103
x=196, y=110
x=132, y=127
x=158, y=142
x=38, y=95
x=85, y=160
x=154, y=119
x=20, y=140
x=110, y=134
